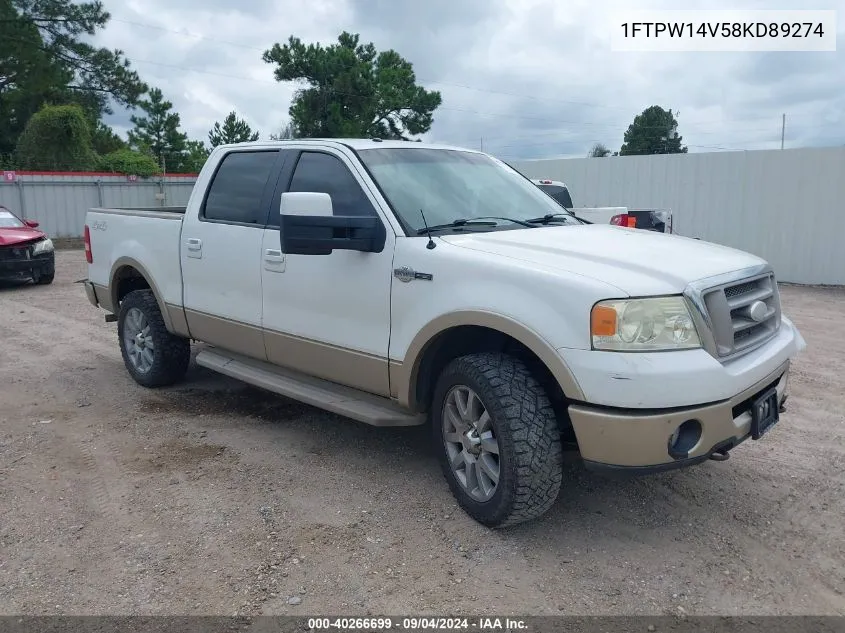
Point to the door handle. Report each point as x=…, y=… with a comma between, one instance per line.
x=194, y=246
x=273, y=255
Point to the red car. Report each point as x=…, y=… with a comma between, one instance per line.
x=25, y=252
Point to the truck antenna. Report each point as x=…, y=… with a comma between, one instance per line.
x=431, y=243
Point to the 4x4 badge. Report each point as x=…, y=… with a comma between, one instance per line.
x=406, y=274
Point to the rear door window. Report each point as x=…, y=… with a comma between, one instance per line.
x=237, y=190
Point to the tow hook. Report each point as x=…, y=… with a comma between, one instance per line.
x=721, y=455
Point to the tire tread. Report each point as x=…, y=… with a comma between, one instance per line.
x=172, y=353
x=515, y=397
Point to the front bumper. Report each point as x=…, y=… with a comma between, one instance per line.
x=24, y=269
x=637, y=441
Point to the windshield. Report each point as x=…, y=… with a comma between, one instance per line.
x=7, y=220
x=448, y=185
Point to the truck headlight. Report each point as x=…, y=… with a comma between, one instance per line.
x=44, y=246
x=652, y=324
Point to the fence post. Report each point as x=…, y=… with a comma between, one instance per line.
x=21, y=199
x=99, y=193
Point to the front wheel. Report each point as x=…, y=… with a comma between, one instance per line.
x=44, y=280
x=153, y=356
x=497, y=439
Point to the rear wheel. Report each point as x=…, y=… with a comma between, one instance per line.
x=153, y=356
x=497, y=439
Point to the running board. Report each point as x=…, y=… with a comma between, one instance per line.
x=323, y=394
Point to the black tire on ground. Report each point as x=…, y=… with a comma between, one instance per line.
x=525, y=427
x=43, y=280
x=171, y=353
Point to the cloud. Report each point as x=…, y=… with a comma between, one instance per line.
x=523, y=78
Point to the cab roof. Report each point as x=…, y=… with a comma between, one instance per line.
x=360, y=143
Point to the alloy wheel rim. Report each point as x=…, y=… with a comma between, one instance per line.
x=471, y=445
x=137, y=340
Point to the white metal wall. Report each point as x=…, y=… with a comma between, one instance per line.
x=59, y=202
x=786, y=206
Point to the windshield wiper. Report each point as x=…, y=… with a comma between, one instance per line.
x=553, y=217
x=515, y=221
x=456, y=224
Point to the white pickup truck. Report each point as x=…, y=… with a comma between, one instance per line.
x=401, y=283
x=648, y=219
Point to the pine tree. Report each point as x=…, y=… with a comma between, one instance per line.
x=158, y=132
x=233, y=130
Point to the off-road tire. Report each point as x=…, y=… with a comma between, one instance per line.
x=527, y=432
x=44, y=280
x=171, y=353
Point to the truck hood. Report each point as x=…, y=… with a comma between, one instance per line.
x=637, y=262
x=9, y=236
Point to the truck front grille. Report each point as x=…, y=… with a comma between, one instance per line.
x=743, y=314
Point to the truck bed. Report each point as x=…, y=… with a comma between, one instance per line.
x=144, y=238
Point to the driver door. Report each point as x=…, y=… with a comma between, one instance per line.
x=328, y=315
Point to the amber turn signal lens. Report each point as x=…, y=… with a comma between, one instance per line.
x=603, y=321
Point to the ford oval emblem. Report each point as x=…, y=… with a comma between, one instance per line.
x=758, y=311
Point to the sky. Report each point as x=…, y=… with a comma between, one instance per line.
x=519, y=78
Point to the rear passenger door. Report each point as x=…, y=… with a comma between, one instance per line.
x=221, y=252
x=329, y=315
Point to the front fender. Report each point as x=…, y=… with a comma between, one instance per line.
x=405, y=375
x=543, y=309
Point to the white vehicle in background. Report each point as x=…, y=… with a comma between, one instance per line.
x=648, y=219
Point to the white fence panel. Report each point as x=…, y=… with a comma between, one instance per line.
x=786, y=206
x=59, y=201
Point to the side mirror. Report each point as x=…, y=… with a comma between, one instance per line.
x=308, y=227
x=31, y=224
x=306, y=203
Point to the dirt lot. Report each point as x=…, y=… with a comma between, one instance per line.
x=217, y=498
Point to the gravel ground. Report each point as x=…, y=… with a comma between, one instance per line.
x=216, y=498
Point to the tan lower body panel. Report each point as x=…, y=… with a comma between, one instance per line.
x=328, y=362
x=231, y=335
x=91, y=293
x=628, y=438
x=396, y=375
x=178, y=320
x=103, y=297
x=348, y=367
x=326, y=395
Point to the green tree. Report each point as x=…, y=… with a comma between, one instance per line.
x=352, y=90
x=195, y=156
x=233, y=130
x=105, y=140
x=599, y=150
x=46, y=57
x=654, y=131
x=130, y=162
x=56, y=138
x=158, y=132
x=285, y=132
